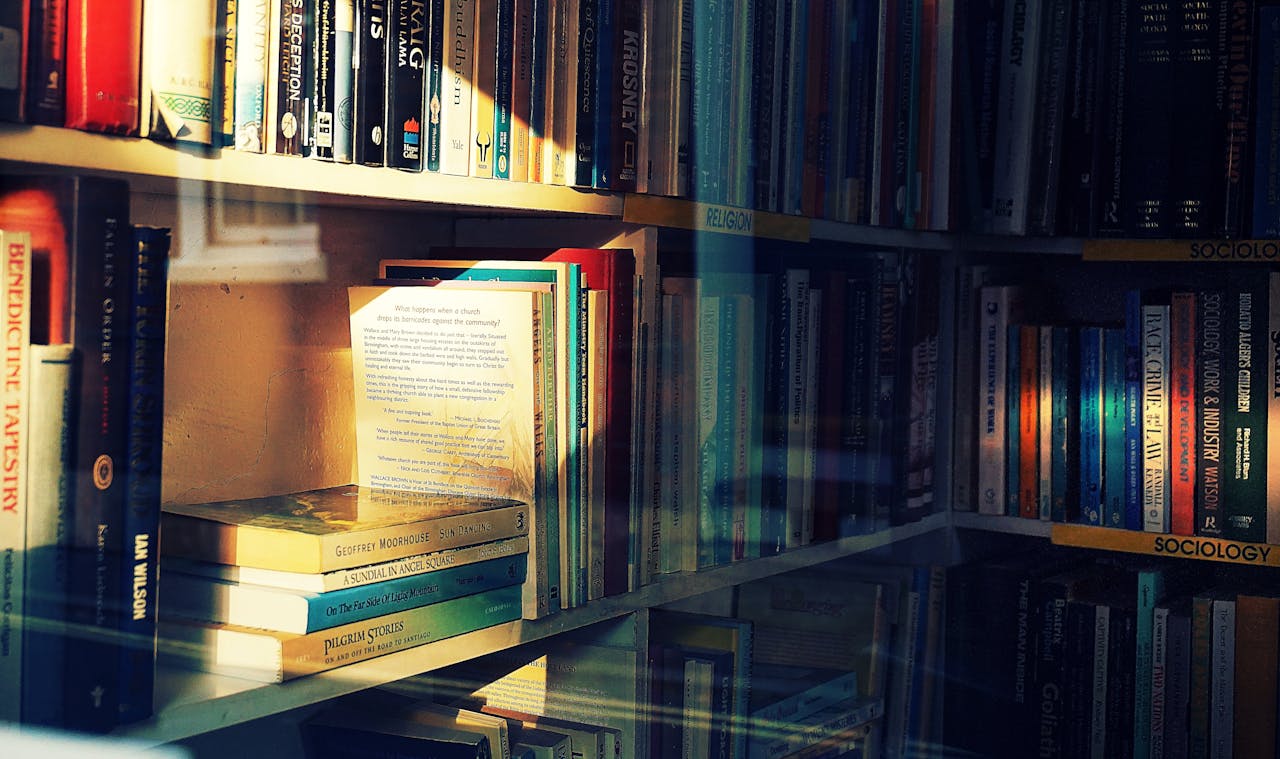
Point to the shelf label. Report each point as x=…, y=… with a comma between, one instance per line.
x=1199, y=251
x=713, y=217
x=1159, y=544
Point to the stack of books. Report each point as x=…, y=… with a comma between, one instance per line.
x=277, y=587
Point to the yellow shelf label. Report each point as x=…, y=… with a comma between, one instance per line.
x=711, y=217
x=1159, y=544
x=1196, y=251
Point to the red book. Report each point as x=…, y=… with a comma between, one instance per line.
x=612, y=270
x=1182, y=412
x=1029, y=421
x=104, y=40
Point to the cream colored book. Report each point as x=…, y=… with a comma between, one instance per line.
x=484, y=76
x=177, y=70
x=594, y=438
x=445, y=383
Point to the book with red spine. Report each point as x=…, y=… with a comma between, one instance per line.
x=1028, y=421
x=103, y=66
x=1182, y=412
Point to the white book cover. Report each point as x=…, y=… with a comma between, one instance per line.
x=455, y=94
x=1017, y=96
x=14, y=302
x=999, y=306
x=177, y=70
x=1155, y=417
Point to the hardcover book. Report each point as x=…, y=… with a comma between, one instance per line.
x=15, y=299
x=250, y=82
x=336, y=528
x=177, y=91
x=342, y=733
x=406, y=82
x=47, y=62
x=103, y=65
x=289, y=77
x=369, y=111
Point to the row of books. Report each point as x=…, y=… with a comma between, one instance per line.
x=1153, y=417
x=796, y=404
x=84, y=299
x=1121, y=118
x=1096, y=657
x=826, y=109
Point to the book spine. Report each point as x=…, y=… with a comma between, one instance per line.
x=1222, y=678
x=855, y=518
x=1092, y=399
x=1045, y=442
x=1273, y=410
x=541, y=90
x=1151, y=584
x=810, y=413
x=522, y=86
x=15, y=299
x=564, y=100
x=103, y=66
x=1120, y=689
x=1108, y=220
x=1014, y=128
x=603, y=173
x=798, y=302
x=97, y=595
x=1048, y=119
x=709, y=342
x=1101, y=672
x=998, y=308
x=224, y=73
x=1013, y=422
x=548, y=571
x=1265, y=216
x=502, y=88
x=1027, y=442
x=1159, y=682
x=887, y=427
x=1133, y=462
x=1050, y=668
x=585, y=95
x=775, y=462
x=370, y=98
x=1233, y=97
x=1079, y=684
x=180, y=67
x=433, y=85
x=1113, y=425
x=1245, y=415
x=52, y=413
x=149, y=285
x=1149, y=126
x=406, y=70
x=767, y=76
x=1155, y=417
x=1177, y=685
x=47, y=64
x=629, y=92
x=802, y=704
x=1210, y=347
x=1201, y=675
x=744, y=539
x=817, y=112
x=1182, y=413
x=1194, y=199
x=324, y=95
x=250, y=83
x=456, y=88
x=1065, y=458
x=344, y=80
x=483, y=88
x=289, y=71
x=1081, y=127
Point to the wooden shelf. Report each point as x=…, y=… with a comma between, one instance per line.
x=190, y=703
x=171, y=168
x=886, y=237
x=1160, y=544
x=651, y=210
x=969, y=520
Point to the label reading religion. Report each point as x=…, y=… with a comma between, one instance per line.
x=444, y=389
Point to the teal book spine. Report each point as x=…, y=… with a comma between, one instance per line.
x=502, y=91
x=1113, y=428
x=725, y=430
x=1150, y=590
x=1091, y=401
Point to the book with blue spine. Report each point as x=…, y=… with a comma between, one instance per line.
x=1133, y=410
x=435, y=85
x=582, y=174
x=210, y=599
x=1064, y=458
x=602, y=174
x=1091, y=411
x=1113, y=428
